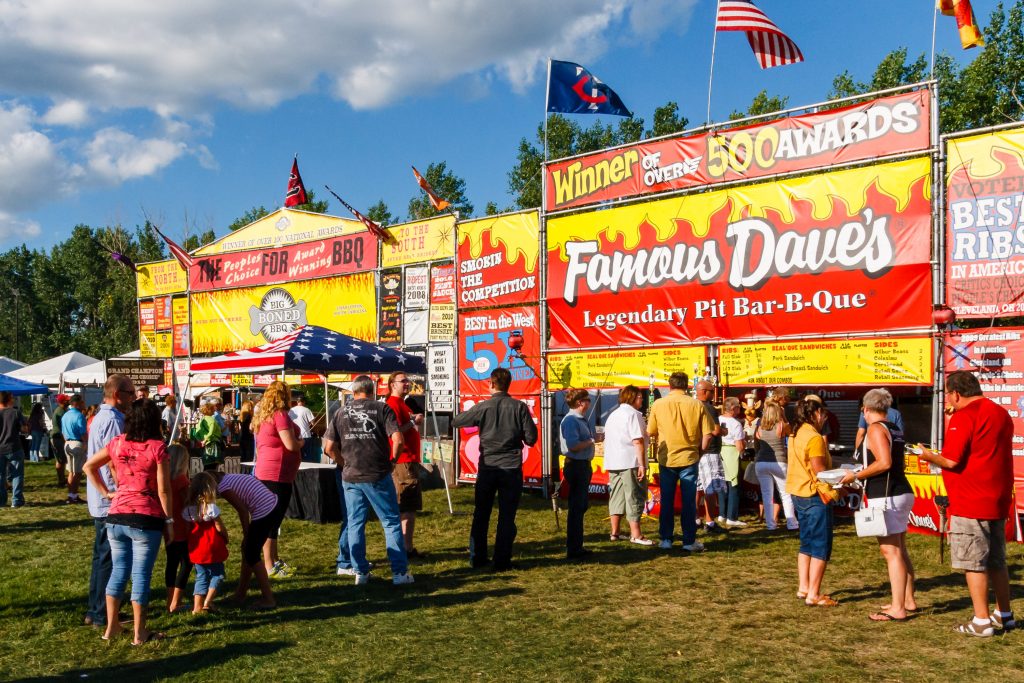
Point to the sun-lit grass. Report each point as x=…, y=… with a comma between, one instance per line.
x=630, y=613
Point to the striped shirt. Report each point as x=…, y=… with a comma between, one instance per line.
x=258, y=498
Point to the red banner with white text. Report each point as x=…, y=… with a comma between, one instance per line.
x=498, y=260
x=483, y=339
x=846, y=251
x=864, y=131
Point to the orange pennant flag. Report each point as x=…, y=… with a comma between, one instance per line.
x=970, y=34
x=435, y=201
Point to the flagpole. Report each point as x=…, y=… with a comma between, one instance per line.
x=711, y=75
x=935, y=21
x=547, y=99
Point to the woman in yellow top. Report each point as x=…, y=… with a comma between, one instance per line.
x=813, y=499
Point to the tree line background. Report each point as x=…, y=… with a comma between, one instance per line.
x=75, y=297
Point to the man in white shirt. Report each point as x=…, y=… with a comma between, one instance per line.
x=303, y=419
x=625, y=461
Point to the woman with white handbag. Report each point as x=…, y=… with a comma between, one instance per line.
x=890, y=499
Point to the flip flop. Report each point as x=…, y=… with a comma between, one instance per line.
x=801, y=595
x=822, y=601
x=885, y=616
x=151, y=636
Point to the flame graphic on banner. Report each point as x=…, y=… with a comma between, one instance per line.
x=517, y=233
x=985, y=156
x=789, y=201
x=926, y=486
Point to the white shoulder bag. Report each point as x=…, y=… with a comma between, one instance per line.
x=871, y=521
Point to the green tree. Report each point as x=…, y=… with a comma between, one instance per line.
x=762, y=104
x=193, y=242
x=667, y=120
x=250, y=216
x=380, y=214
x=448, y=186
x=312, y=205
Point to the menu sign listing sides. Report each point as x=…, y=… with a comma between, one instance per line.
x=878, y=362
x=621, y=367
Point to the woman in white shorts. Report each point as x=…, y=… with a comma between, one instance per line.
x=886, y=488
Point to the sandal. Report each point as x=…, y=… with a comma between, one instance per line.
x=151, y=636
x=972, y=629
x=885, y=616
x=821, y=601
x=801, y=595
x=641, y=540
x=619, y=537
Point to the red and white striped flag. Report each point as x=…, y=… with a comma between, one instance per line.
x=771, y=46
x=380, y=233
x=177, y=251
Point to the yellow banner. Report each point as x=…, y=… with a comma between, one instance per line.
x=420, y=241
x=164, y=344
x=442, y=323
x=284, y=226
x=233, y=319
x=888, y=361
x=159, y=278
x=147, y=344
x=617, y=368
x=179, y=311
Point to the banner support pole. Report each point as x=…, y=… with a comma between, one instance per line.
x=711, y=74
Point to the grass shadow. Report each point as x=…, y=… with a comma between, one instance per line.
x=46, y=525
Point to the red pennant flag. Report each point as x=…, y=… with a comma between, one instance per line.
x=970, y=34
x=296, y=193
x=435, y=201
x=377, y=231
x=177, y=251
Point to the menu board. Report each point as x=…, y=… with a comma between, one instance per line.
x=391, y=307
x=888, y=361
x=603, y=369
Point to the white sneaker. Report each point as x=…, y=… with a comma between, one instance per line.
x=402, y=579
x=694, y=547
x=665, y=544
x=642, y=541
x=735, y=524
x=362, y=579
x=720, y=519
x=347, y=571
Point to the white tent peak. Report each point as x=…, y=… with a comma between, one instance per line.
x=9, y=364
x=49, y=371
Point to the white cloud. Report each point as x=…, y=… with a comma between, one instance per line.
x=14, y=229
x=114, y=156
x=67, y=113
x=30, y=162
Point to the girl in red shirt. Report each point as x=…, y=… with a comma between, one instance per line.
x=207, y=540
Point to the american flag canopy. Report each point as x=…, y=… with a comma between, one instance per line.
x=316, y=350
x=771, y=46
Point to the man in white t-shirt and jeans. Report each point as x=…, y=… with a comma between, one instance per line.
x=625, y=461
x=303, y=419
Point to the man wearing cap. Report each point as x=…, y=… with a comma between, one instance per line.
x=73, y=428
x=57, y=439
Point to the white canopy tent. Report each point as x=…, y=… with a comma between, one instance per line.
x=9, y=365
x=51, y=372
x=94, y=373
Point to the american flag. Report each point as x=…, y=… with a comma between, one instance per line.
x=177, y=251
x=771, y=46
x=380, y=233
x=317, y=350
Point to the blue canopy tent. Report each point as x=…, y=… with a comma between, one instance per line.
x=20, y=387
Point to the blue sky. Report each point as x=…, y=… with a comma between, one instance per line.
x=114, y=110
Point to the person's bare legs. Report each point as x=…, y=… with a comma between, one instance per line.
x=775, y=513
x=197, y=604
x=174, y=599
x=270, y=556
x=909, y=598
x=267, y=599
x=244, y=574
x=977, y=586
x=616, y=524
x=1000, y=580
x=803, y=572
x=634, y=530
x=208, y=602
x=889, y=547
x=73, y=481
x=114, y=627
x=408, y=527
x=815, y=575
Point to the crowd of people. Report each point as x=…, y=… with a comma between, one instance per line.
x=140, y=495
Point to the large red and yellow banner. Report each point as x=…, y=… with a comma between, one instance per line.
x=419, y=241
x=997, y=357
x=305, y=261
x=469, y=443
x=839, y=252
x=889, y=125
x=498, y=260
x=233, y=319
x=483, y=337
x=985, y=225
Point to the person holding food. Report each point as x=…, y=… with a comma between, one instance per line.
x=886, y=488
x=813, y=500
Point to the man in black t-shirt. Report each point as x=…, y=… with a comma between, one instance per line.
x=12, y=455
x=364, y=439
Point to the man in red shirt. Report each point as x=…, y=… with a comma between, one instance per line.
x=407, y=466
x=977, y=463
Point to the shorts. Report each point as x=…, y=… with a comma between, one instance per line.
x=407, y=486
x=625, y=494
x=896, y=510
x=816, y=524
x=74, y=451
x=977, y=545
x=284, y=497
x=57, y=448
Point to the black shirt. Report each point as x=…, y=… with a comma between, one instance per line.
x=875, y=487
x=10, y=432
x=362, y=429
x=505, y=425
x=716, y=441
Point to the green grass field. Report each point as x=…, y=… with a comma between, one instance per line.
x=630, y=613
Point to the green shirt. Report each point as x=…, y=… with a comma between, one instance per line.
x=58, y=416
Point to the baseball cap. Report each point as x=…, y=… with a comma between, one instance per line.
x=62, y=399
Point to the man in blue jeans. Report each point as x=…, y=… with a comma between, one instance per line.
x=12, y=455
x=364, y=439
x=680, y=428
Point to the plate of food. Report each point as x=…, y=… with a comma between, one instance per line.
x=833, y=477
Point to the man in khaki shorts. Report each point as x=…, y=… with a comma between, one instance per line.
x=73, y=427
x=407, y=466
x=977, y=464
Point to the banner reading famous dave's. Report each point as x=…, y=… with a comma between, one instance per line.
x=469, y=442
x=985, y=224
x=498, y=260
x=846, y=251
x=997, y=357
x=232, y=319
x=889, y=125
x=483, y=340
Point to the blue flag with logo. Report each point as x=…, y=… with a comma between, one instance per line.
x=574, y=90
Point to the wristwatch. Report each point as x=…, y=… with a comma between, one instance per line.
x=169, y=521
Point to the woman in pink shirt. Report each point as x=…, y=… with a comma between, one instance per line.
x=140, y=511
x=278, y=455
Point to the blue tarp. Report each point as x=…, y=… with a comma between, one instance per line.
x=20, y=387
